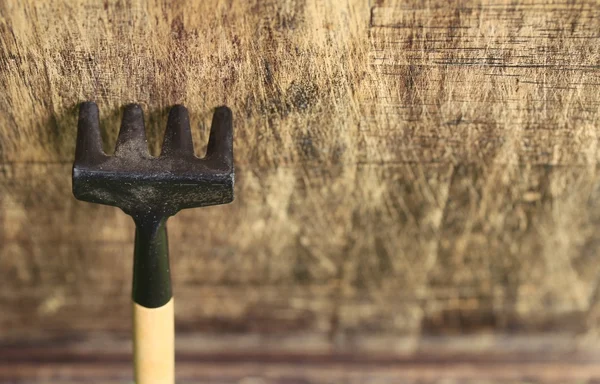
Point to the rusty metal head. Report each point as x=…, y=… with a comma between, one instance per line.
x=141, y=184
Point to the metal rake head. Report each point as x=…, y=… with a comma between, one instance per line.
x=141, y=184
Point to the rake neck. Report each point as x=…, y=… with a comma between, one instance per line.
x=151, y=271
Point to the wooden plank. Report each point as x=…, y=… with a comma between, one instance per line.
x=404, y=249
x=404, y=170
x=274, y=364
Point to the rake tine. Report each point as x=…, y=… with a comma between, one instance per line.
x=132, y=136
x=89, y=141
x=178, y=136
x=220, y=142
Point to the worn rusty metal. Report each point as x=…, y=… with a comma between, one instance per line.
x=150, y=189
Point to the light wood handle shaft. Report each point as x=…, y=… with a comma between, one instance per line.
x=154, y=344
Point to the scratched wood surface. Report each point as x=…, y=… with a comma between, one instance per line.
x=412, y=177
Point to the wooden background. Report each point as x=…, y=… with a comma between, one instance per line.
x=417, y=198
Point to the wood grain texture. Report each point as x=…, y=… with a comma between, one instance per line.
x=266, y=368
x=406, y=170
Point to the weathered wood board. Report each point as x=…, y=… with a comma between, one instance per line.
x=406, y=171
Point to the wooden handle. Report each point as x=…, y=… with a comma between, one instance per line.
x=154, y=344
